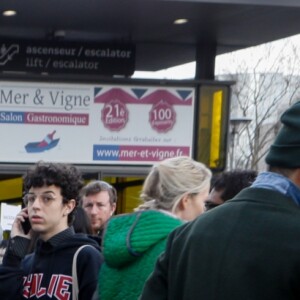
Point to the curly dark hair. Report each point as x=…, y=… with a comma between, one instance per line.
x=65, y=176
x=232, y=182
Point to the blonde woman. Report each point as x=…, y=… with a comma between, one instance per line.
x=173, y=192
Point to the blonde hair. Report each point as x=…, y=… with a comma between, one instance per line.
x=170, y=180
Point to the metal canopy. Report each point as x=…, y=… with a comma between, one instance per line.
x=229, y=25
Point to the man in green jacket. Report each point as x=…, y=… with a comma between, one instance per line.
x=249, y=247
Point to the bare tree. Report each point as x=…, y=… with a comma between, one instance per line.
x=262, y=92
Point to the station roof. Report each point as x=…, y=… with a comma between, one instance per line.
x=148, y=24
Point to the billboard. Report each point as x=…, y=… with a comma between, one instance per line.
x=95, y=124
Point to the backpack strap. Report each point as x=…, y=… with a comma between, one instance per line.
x=75, y=287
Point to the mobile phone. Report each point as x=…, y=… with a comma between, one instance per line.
x=26, y=225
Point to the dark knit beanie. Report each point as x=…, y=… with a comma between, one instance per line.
x=285, y=151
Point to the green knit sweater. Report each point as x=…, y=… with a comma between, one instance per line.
x=131, y=246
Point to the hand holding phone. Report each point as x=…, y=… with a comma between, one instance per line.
x=26, y=225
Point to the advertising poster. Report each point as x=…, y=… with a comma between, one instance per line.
x=94, y=124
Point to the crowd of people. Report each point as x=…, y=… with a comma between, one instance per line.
x=233, y=235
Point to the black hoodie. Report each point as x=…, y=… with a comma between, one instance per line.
x=47, y=273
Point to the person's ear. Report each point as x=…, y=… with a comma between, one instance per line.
x=295, y=177
x=114, y=206
x=70, y=205
x=183, y=203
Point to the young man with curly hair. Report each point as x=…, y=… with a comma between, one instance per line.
x=50, y=197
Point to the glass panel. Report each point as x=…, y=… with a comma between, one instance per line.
x=212, y=129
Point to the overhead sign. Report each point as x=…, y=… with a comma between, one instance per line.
x=67, y=57
x=94, y=124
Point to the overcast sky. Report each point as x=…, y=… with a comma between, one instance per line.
x=227, y=63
